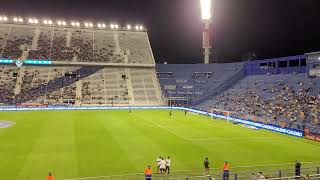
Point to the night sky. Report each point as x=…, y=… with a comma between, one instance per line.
x=268, y=28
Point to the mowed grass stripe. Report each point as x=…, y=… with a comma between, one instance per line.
x=54, y=150
x=17, y=142
x=132, y=141
x=97, y=150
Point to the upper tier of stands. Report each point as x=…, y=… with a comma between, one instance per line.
x=74, y=44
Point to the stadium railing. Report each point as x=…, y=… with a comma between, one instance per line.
x=312, y=172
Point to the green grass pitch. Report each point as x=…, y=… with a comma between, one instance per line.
x=75, y=144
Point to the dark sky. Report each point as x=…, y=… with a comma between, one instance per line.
x=269, y=28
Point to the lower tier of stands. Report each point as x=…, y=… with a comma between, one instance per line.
x=79, y=85
x=290, y=100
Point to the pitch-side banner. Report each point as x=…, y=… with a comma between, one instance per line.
x=288, y=131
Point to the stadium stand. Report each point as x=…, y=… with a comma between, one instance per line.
x=289, y=98
x=90, y=66
x=8, y=76
x=275, y=91
x=193, y=83
x=70, y=44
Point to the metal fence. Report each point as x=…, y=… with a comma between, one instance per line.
x=241, y=173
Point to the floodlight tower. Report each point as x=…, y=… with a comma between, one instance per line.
x=206, y=19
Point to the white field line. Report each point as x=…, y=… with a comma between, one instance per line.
x=231, y=138
x=186, y=170
x=205, y=139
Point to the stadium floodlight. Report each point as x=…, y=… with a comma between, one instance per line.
x=116, y=26
x=77, y=24
x=101, y=25
x=88, y=24
x=49, y=22
x=112, y=26
x=140, y=28
x=128, y=26
x=15, y=19
x=5, y=18
x=20, y=20
x=1, y=18
x=59, y=23
x=319, y=58
x=137, y=27
x=73, y=23
x=45, y=21
x=35, y=21
x=64, y=23
x=205, y=9
x=30, y=20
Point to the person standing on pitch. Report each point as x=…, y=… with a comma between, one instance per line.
x=162, y=166
x=158, y=164
x=226, y=168
x=148, y=173
x=50, y=176
x=297, y=169
x=206, y=166
x=168, y=164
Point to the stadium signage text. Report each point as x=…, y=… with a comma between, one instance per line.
x=288, y=131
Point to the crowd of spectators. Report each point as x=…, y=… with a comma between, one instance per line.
x=16, y=45
x=7, y=83
x=294, y=105
x=78, y=45
x=43, y=50
x=59, y=50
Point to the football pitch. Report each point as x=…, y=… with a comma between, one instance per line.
x=78, y=144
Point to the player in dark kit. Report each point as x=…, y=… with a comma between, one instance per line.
x=206, y=166
x=170, y=113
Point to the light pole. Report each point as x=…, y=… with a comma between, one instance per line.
x=206, y=19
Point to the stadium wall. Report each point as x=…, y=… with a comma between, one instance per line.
x=282, y=65
x=270, y=127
